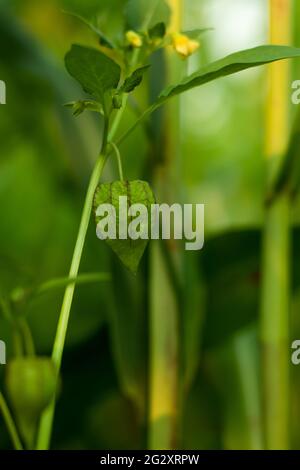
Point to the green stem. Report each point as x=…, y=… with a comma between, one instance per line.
x=16, y=334
x=5, y=310
x=46, y=424
x=65, y=281
x=59, y=343
x=27, y=337
x=118, y=155
x=274, y=315
x=17, y=342
x=163, y=371
x=245, y=364
x=274, y=323
x=67, y=301
x=11, y=427
x=117, y=119
x=144, y=116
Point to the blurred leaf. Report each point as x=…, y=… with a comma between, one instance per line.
x=128, y=251
x=19, y=296
x=134, y=80
x=157, y=31
x=229, y=65
x=96, y=73
x=113, y=422
x=88, y=368
x=232, y=284
x=202, y=416
x=65, y=281
x=128, y=331
x=196, y=33
x=194, y=309
x=236, y=372
x=104, y=41
x=146, y=13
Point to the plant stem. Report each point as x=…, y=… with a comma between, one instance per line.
x=16, y=333
x=118, y=155
x=163, y=396
x=246, y=361
x=17, y=342
x=276, y=250
x=143, y=116
x=27, y=337
x=64, y=317
x=46, y=424
x=117, y=119
x=64, y=281
x=11, y=427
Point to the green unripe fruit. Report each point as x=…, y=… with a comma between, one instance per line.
x=30, y=384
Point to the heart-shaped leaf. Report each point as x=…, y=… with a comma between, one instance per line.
x=96, y=73
x=112, y=202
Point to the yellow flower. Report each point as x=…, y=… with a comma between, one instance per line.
x=183, y=45
x=134, y=39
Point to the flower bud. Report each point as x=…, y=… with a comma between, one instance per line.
x=134, y=39
x=183, y=45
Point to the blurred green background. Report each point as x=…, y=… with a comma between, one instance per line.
x=45, y=162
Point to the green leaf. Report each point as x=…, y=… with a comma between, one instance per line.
x=103, y=40
x=229, y=65
x=129, y=251
x=82, y=105
x=134, y=80
x=144, y=14
x=96, y=73
x=158, y=31
x=196, y=33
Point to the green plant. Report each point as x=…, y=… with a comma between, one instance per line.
x=108, y=76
